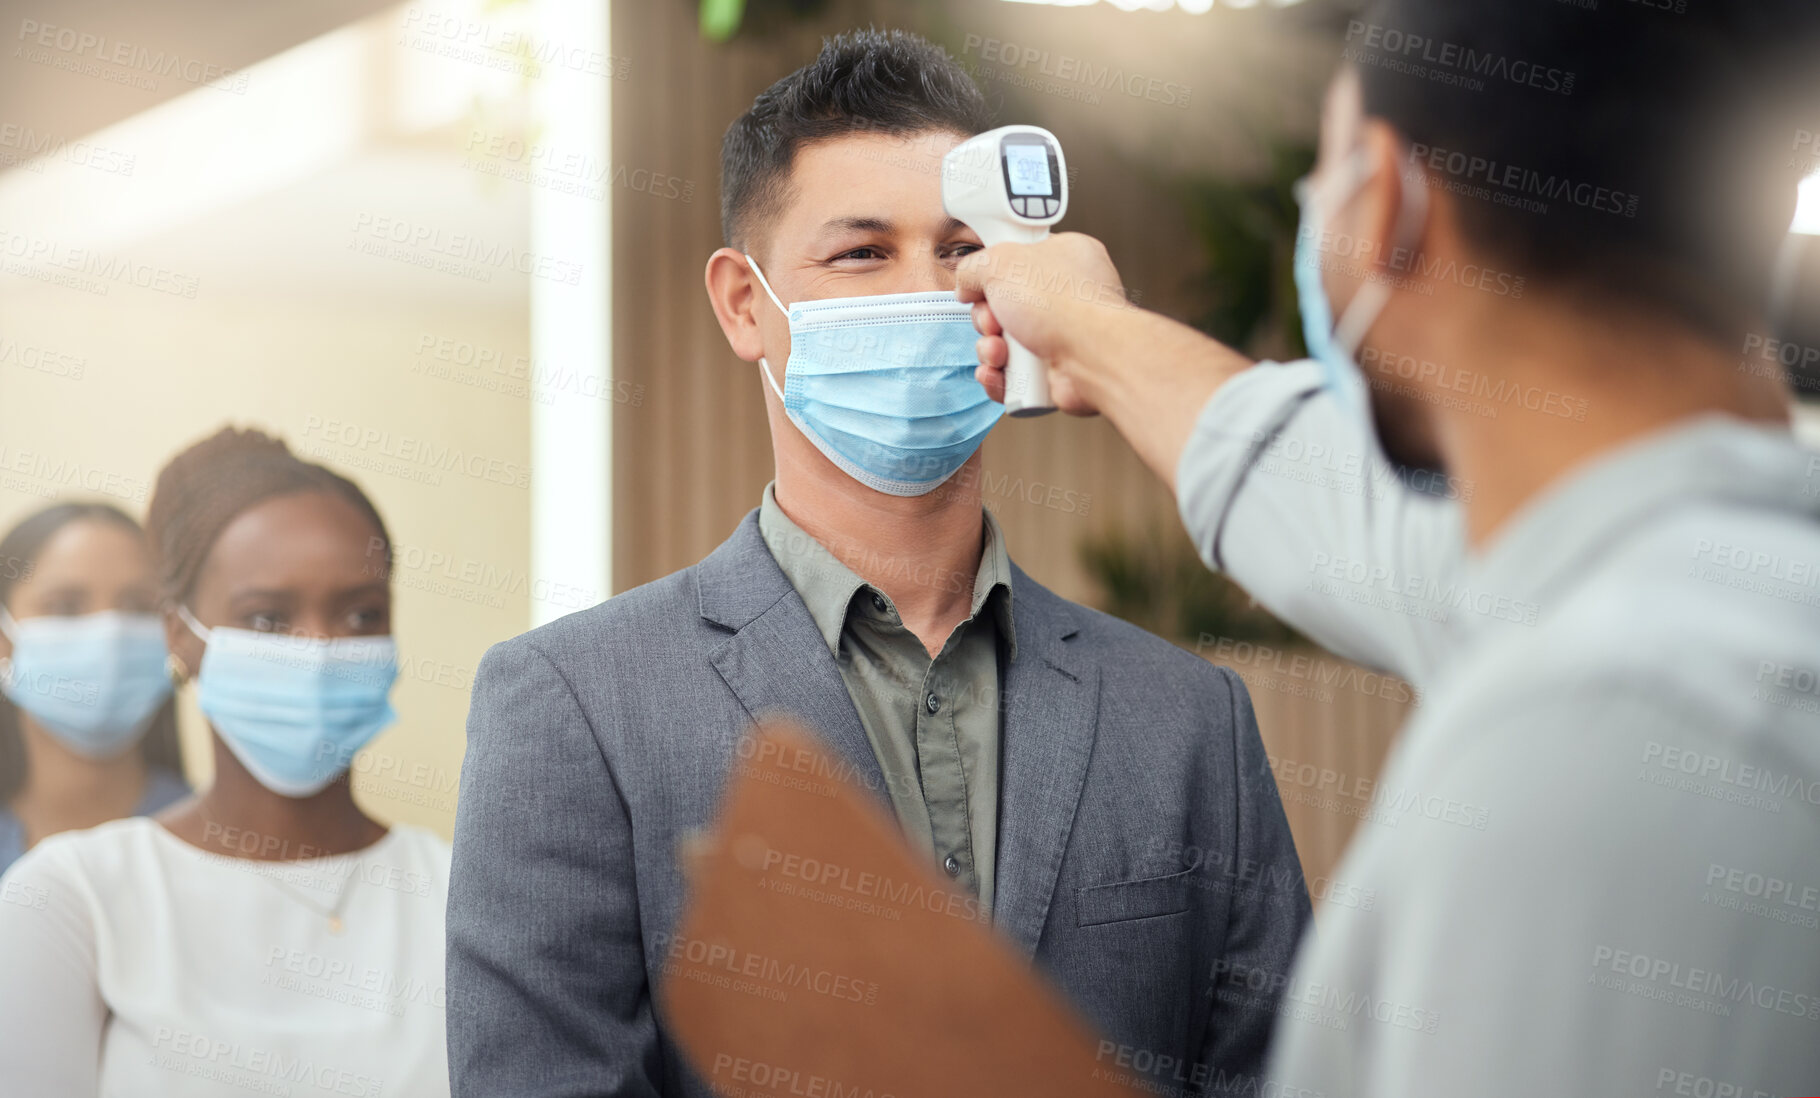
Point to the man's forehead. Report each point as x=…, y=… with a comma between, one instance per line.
x=869, y=182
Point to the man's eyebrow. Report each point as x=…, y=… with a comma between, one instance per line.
x=859, y=224
x=884, y=225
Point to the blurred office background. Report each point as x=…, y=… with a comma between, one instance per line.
x=454, y=248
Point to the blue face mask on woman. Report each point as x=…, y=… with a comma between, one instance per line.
x=94, y=681
x=294, y=710
x=883, y=385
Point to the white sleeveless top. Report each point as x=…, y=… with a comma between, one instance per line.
x=134, y=964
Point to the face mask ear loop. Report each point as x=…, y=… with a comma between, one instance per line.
x=766, y=367
x=1362, y=311
x=202, y=631
x=7, y=625
x=762, y=364
x=753, y=263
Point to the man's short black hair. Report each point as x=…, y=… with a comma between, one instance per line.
x=889, y=82
x=1642, y=151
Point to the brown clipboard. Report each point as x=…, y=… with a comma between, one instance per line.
x=819, y=957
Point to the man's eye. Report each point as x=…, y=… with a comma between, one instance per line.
x=367, y=620
x=265, y=623
x=862, y=253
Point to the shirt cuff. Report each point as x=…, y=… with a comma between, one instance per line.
x=1234, y=426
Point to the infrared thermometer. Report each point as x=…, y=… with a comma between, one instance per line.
x=1009, y=184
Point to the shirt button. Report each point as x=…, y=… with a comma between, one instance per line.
x=879, y=603
x=935, y=703
x=952, y=865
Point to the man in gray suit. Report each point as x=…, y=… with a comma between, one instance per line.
x=1102, y=793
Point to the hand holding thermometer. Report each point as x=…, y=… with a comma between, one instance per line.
x=1008, y=185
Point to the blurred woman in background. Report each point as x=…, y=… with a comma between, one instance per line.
x=267, y=934
x=88, y=729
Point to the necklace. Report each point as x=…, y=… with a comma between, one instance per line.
x=331, y=913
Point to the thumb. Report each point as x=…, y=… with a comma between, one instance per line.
x=977, y=272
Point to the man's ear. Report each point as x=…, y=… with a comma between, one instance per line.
x=734, y=293
x=1381, y=204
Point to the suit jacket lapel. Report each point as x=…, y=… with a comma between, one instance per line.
x=1051, y=711
x=776, y=661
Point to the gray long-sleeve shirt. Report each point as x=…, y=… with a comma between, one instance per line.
x=1596, y=849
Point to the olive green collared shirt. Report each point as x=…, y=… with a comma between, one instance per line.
x=933, y=723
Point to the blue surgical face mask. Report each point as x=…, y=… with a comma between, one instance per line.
x=883, y=385
x=94, y=681
x=1335, y=344
x=293, y=709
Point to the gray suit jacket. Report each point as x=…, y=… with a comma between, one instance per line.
x=1143, y=856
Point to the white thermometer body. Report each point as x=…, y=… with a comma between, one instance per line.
x=1010, y=185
